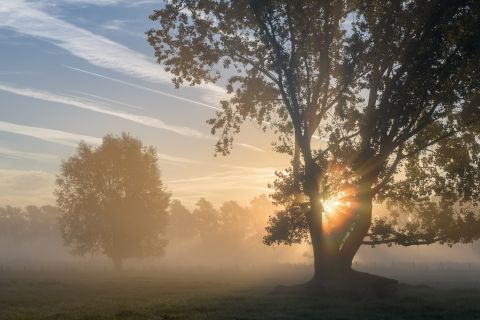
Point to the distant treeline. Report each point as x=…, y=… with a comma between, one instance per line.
x=32, y=223
x=206, y=235
x=229, y=224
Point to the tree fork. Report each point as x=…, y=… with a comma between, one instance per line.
x=362, y=223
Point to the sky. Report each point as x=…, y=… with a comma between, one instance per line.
x=73, y=70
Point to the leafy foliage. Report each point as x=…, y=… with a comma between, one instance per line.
x=113, y=200
x=380, y=98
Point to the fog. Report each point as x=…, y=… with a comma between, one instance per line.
x=31, y=241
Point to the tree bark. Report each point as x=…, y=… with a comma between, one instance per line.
x=333, y=273
x=327, y=259
x=361, y=223
x=325, y=253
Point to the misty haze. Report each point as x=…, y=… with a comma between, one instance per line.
x=239, y=159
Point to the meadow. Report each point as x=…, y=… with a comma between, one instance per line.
x=202, y=293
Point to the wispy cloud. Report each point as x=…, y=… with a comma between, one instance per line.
x=137, y=86
x=115, y=24
x=110, y=100
x=50, y=135
x=142, y=3
x=79, y=103
x=235, y=182
x=88, y=105
x=28, y=18
x=24, y=17
x=175, y=159
x=234, y=178
x=14, y=73
x=21, y=187
x=129, y=3
x=89, y=2
x=63, y=138
x=122, y=26
x=17, y=154
x=249, y=146
x=244, y=145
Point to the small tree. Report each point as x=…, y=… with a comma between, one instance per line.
x=207, y=221
x=43, y=222
x=181, y=225
x=236, y=222
x=113, y=200
x=260, y=209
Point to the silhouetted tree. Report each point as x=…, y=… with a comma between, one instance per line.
x=228, y=231
x=43, y=222
x=25, y=231
x=236, y=224
x=113, y=200
x=373, y=100
x=207, y=221
x=181, y=223
x=259, y=210
x=13, y=224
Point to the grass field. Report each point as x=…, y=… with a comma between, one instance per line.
x=184, y=294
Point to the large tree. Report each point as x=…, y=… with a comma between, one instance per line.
x=112, y=200
x=373, y=100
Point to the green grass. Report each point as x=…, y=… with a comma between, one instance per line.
x=183, y=295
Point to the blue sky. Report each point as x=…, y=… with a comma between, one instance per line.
x=74, y=70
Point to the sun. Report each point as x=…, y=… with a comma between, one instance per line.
x=336, y=211
x=332, y=205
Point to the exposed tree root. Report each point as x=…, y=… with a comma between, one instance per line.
x=349, y=283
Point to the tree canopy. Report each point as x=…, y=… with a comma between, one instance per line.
x=373, y=100
x=112, y=200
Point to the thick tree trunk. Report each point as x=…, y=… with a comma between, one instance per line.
x=333, y=273
x=334, y=252
x=361, y=223
x=327, y=259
